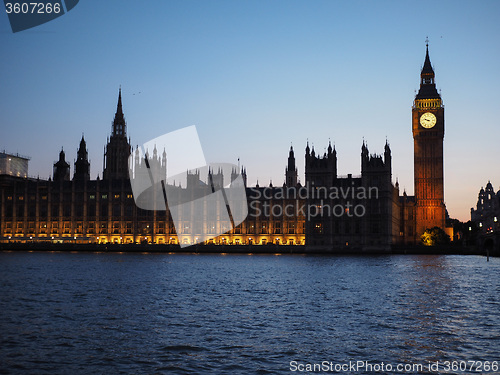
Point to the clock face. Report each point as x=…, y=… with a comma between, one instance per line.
x=428, y=120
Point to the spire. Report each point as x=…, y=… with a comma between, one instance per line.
x=364, y=156
x=291, y=170
x=387, y=155
x=427, y=68
x=119, y=125
x=427, y=82
x=82, y=164
x=119, y=106
x=82, y=150
x=62, y=155
x=118, y=148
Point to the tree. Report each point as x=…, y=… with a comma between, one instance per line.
x=434, y=237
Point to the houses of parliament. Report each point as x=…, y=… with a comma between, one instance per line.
x=329, y=211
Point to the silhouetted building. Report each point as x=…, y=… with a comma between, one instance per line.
x=351, y=212
x=487, y=212
x=486, y=217
x=329, y=211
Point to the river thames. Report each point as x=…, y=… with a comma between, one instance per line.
x=81, y=313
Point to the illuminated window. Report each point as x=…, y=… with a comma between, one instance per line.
x=318, y=228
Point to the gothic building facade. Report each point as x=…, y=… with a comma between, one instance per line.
x=328, y=211
x=357, y=212
x=486, y=215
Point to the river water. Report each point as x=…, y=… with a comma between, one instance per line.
x=83, y=313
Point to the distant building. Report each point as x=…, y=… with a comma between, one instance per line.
x=329, y=211
x=13, y=165
x=486, y=216
x=487, y=207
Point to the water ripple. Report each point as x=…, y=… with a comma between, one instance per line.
x=210, y=314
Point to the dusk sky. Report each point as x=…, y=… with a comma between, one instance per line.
x=256, y=77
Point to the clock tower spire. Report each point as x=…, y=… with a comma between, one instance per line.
x=428, y=136
x=117, y=151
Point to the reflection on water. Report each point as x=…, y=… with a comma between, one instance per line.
x=423, y=291
x=242, y=314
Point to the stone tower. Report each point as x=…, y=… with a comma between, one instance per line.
x=428, y=136
x=117, y=151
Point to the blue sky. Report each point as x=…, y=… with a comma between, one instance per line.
x=255, y=77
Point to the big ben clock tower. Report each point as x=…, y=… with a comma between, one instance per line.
x=428, y=135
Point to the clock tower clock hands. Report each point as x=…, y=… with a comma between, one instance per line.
x=428, y=120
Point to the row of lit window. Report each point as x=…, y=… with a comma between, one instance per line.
x=91, y=196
